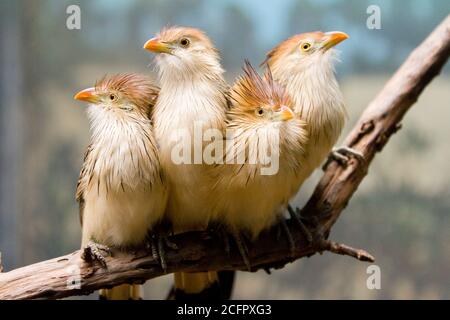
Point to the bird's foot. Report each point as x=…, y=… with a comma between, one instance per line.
x=158, y=242
x=297, y=217
x=242, y=247
x=342, y=155
x=93, y=252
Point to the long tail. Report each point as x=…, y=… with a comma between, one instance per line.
x=204, y=286
x=199, y=286
x=122, y=292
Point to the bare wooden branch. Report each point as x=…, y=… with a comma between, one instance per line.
x=199, y=251
x=345, y=250
x=379, y=121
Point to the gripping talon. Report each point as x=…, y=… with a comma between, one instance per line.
x=158, y=241
x=342, y=155
x=92, y=252
x=154, y=248
x=169, y=243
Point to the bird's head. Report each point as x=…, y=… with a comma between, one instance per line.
x=303, y=50
x=122, y=94
x=259, y=100
x=184, y=50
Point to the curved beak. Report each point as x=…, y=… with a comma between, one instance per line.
x=283, y=114
x=157, y=46
x=87, y=95
x=333, y=38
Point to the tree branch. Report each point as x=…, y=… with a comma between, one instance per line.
x=58, y=278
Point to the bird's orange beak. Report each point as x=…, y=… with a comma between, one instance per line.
x=283, y=114
x=87, y=95
x=157, y=46
x=333, y=38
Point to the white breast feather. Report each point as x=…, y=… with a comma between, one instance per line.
x=126, y=193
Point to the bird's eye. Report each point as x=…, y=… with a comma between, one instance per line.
x=112, y=97
x=259, y=112
x=305, y=46
x=185, y=42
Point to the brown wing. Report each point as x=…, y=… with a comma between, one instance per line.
x=82, y=183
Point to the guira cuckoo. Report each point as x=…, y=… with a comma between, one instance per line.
x=262, y=125
x=193, y=94
x=122, y=192
x=304, y=65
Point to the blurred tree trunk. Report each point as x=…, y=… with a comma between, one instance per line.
x=11, y=115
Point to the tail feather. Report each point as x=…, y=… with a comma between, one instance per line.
x=122, y=292
x=204, y=286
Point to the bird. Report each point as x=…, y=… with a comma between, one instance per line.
x=192, y=99
x=122, y=191
x=304, y=66
x=260, y=122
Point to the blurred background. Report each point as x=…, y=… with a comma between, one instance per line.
x=401, y=212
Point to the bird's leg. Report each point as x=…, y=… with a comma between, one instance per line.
x=92, y=252
x=297, y=217
x=242, y=247
x=158, y=241
x=342, y=155
x=153, y=246
x=283, y=228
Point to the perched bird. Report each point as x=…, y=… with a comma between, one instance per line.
x=121, y=190
x=262, y=125
x=304, y=65
x=192, y=100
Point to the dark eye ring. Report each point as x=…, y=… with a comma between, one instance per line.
x=112, y=97
x=260, y=112
x=185, y=42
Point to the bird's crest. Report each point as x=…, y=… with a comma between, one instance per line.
x=251, y=90
x=139, y=89
x=288, y=46
x=174, y=33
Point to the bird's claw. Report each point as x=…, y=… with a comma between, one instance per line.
x=158, y=243
x=342, y=155
x=297, y=217
x=93, y=252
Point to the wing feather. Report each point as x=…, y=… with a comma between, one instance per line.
x=83, y=182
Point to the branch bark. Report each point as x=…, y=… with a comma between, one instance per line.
x=69, y=275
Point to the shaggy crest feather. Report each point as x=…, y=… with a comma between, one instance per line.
x=136, y=88
x=251, y=91
x=175, y=33
x=289, y=45
x=199, y=61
